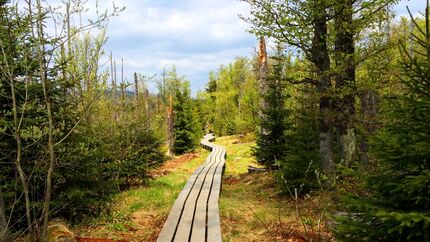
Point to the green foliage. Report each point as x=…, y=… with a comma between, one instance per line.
x=271, y=139
x=300, y=166
x=101, y=144
x=187, y=130
x=289, y=137
x=96, y=166
x=398, y=208
x=230, y=103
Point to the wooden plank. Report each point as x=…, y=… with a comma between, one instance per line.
x=175, y=214
x=213, y=223
x=199, y=224
x=195, y=213
x=172, y=221
x=184, y=226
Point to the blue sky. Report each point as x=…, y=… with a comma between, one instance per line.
x=194, y=35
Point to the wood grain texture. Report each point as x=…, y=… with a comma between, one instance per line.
x=195, y=213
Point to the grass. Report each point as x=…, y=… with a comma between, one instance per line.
x=253, y=208
x=138, y=214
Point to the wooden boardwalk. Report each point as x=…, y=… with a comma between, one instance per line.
x=195, y=214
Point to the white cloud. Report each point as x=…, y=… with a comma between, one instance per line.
x=194, y=35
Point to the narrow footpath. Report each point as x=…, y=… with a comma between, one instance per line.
x=195, y=213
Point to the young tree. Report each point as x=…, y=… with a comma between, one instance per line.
x=270, y=149
x=398, y=205
x=186, y=130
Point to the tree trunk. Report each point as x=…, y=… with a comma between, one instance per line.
x=170, y=135
x=21, y=173
x=44, y=79
x=321, y=59
x=263, y=71
x=369, y=111
x=136, y=89
x=345, y=81
x=146, y=100
x=113, y=76
x=17, y=136
x=4, y=231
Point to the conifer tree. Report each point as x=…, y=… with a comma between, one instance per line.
x=398, y=207
x=186, y=132
x=271, y=143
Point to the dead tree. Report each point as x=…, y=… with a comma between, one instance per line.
x=263, y=71
x=170, y=122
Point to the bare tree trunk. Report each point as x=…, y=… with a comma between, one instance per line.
x=146, y=107
x=122, y=84
x=170, y=123
x=146, y=100
x=114, y=81
x=112, y=73
x=4, y=231
x=345, y=81
x=263, y=71
x=114, y=88
x=21, y=172
x=44, y=79
x=321, y=59
x=136, y=89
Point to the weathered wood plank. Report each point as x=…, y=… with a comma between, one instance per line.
x=199, y=224
x=195, y=214
x=184, y=226
x=169, y=228
x=172, y=221
x=213, y=223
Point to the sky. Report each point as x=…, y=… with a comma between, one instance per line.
x=196, y=36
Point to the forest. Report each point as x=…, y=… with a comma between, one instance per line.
x=332, y=109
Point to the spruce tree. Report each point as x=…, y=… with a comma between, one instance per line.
x=397, y=207
x=271, y=143
x=186, y=132
x=301, y=163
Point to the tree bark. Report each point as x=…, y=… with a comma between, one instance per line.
x=136, y=89
x=321, y=59
x=263, y=71
x=345, y=81
x=113, y=76
x=170, y=123
x=18, y=166
x=17, y=136
x=4, y=231
x=44, y=79
x=369, y=111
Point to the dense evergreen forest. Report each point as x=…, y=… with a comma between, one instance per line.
x=337, y=101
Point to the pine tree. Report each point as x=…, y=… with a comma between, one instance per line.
x=186, y=132
x=398, y=208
